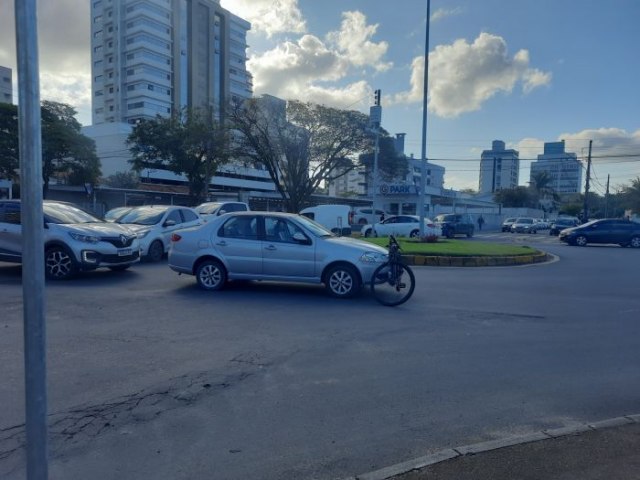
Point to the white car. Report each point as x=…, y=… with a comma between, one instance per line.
x=154, y=225
x=365, y=215
x=401, y=226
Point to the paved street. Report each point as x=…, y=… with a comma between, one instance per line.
x=149, y=377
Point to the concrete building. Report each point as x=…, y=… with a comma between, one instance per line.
x=6, y=85
x=563, y=167
x=499, y=168
x=152, y=57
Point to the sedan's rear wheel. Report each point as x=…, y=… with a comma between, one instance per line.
x=342, y=281
x=414, y=234
x=635, y=242
x=211, y=275
x=581, y=241
x=59, y=264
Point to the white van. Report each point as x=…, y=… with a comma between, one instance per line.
x=336, y=218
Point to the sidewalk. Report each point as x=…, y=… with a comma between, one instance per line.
x=604, y=450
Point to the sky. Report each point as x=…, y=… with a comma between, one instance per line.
x=521, y=71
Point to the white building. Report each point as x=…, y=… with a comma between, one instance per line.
x=154, y=57
x=6, y=85
x=499, y=168
x=563, y=167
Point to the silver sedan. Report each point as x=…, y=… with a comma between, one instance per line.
x=273, y=246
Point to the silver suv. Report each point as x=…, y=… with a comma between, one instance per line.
x=74, y=240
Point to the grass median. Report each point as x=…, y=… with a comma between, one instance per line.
x=456, y=248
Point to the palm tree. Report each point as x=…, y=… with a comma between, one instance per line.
x=631, y=195
x=541, y=183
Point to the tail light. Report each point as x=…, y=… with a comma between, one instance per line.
x=175, y=237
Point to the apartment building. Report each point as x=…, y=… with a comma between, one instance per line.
x=499, y=168
x=564, y=168
x=152, y=57
x=6, y=85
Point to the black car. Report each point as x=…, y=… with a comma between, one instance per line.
x=561, y=223
x=453, y=224
x=612, y=230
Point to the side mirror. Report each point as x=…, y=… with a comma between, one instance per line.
x=301, y=238
x=169, y=223
x=221, y=212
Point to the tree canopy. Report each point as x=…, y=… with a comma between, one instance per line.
x=301, y=148
x=391, y=164
x=189, y=143
x=66, y=152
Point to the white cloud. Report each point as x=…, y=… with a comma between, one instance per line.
x=353, y=40
x=269, y=16
x=615, y=142
x=441, y=13
x=462, y=76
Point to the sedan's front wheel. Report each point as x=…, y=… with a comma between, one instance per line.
x=342, y=281
x=635, y=242
x=211, y=275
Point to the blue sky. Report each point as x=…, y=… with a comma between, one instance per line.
x=522, y=71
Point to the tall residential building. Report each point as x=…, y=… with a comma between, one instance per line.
x=154, y=57
x=6, y=85
x=563, y=167
x=499, y=168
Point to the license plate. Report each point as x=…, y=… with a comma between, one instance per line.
x=124, y=252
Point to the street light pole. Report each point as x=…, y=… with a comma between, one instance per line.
x=425, y=91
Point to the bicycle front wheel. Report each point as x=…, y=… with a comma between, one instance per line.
x=393, y=284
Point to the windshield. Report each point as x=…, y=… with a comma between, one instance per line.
x=208, y=208
x=314, y=227
x=445, y=218
x=143, y=216
x=66, y=214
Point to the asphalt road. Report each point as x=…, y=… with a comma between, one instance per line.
x=149, y=377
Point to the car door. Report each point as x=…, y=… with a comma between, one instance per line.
x=189, y=218
x=386, y=227
x=601, y=232
x=405, y=225
x=282, y=255
x=238, y=244
x=10, y=232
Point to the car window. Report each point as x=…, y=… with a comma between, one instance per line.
x=405, y=219
x=245, y=227
x=280, y=230
x=143, y=216
x=11, y=214
x=188, y=215
x=390, y=220
x=175, y=216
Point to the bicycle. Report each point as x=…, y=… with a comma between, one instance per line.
x=393, y=282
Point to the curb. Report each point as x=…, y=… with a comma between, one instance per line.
x=465, y=450
x=441, y=261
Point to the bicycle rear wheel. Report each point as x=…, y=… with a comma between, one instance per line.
x=393, y=288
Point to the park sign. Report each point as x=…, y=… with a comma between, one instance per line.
x=399, y=189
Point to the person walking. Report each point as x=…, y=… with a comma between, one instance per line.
x=480, y=222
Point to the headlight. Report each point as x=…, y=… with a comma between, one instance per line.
x=373, y=257
x=142, y=234
x=84, y=238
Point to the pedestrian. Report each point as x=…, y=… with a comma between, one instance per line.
x=480, y=222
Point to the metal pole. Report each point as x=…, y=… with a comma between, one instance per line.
x=375, y=171
x=32, y=238
x=424, y=122
x=585, y=214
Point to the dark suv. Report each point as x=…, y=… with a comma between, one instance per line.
x=453, y=224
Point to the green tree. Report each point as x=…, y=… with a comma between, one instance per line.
x=391, y=164
x=9, y=154
x=122, y=180
x=302, y=149
x=631, y=195
x=189, y=143
x=66, y=152
x=519, y=197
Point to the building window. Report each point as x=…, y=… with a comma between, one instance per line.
x=97, y=19
x=99, y=93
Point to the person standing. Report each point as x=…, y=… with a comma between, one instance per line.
x=480, y=222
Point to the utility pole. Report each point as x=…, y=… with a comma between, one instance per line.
x=585, y=213
x=375, y=119
x=493, y=176
x=606, y=198
x=425, y=91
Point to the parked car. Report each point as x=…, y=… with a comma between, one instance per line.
x=337, y=218
x=400, y=226
x=611, y=230
x=74, y=240
x=154, y=225
x=115, y=213
x=365, y=215
x=561, y=223
x=524, y=225
x=220, y=208
x=506, y=225
x=273, y=246
x=453, y=224
x=542, y=223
